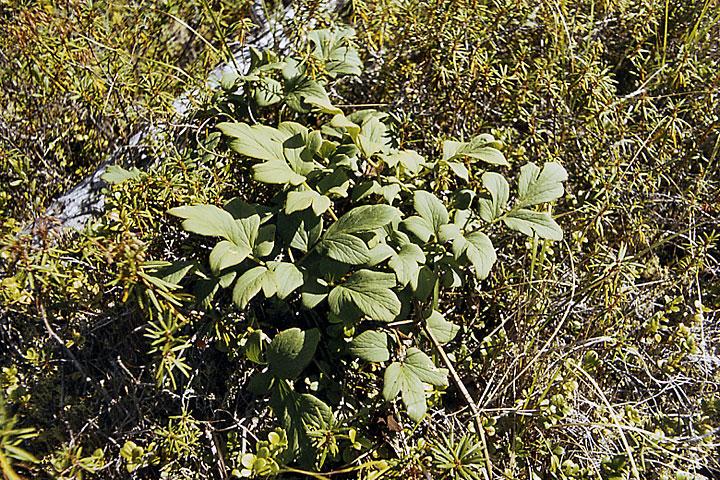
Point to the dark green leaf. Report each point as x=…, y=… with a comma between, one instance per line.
x=291, y=351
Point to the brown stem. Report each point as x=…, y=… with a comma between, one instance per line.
x=468, y=399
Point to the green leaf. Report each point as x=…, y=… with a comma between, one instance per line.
x=371, y=346
x=260, y=383
x=251, y=282
x=460, y=170
x=373, y=137
x=115, y=174
x=365, y=218
x=345, y=248
x=478, y=248
x=443, y=330
x=379, y=253
x=429, y=207
x=530, y=222
x=256, y=141
x=342, y=122
x=478, y=148
x=288, y=278
x=314, y=291
x=449, y=231
x=291, y=351
x=500, y=193
x=264, y=242
x=297, y=414
x=300, y=230
x=254, y=346
x=535, y=186
x=304, y=93
x=267, y=92
x=334, y=50
x=489, y=155
x=370, y=292
x=405, y=263
x=407, y=377
x=206, y=220
x=226, y=254
x=420, y=227
x=409, y=159
x=276, y=171
x=424, y=284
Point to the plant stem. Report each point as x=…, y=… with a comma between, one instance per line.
x=468, y=399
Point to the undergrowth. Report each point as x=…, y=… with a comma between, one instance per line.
x=583, y=346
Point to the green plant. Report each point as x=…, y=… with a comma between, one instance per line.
x=354, y=232
x=10, y=440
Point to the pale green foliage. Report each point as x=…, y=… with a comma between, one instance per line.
x=363, y=262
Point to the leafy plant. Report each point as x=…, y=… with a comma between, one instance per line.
x=354, y=231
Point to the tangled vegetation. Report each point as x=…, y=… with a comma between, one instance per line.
x=433, y=239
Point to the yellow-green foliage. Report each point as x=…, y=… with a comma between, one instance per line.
x=591, y=357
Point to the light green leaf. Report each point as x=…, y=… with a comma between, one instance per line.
x=267, y=92
x=443, y=330
x=407, y=377
x=256, y=141
x=226, y=254
x=500, y=193
x=115, y=174
x=291, y=351
x=420, y=227
x=370, y=292
x=535, y=186
x=478, y=148
x=341, y=121
x=420, y=364
x=206, y=220
x=452, y=149
x=389, y=192
x=449, y=231
x=460, y=170
x=530, y=222
x=405, y=262
x=335, y=51
x=379, y=253
x=478, y=248
x=264, y=243
x=371, y=346
x=489, y=155
x=373, y=137
x=429, y=207
x=276, y=171
x=305, y=93
x=365, y=218
x=248, y=285
x=288, y=278
x=393, y=381
x=409, y=159
x=299, y=200
x=345, y=248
